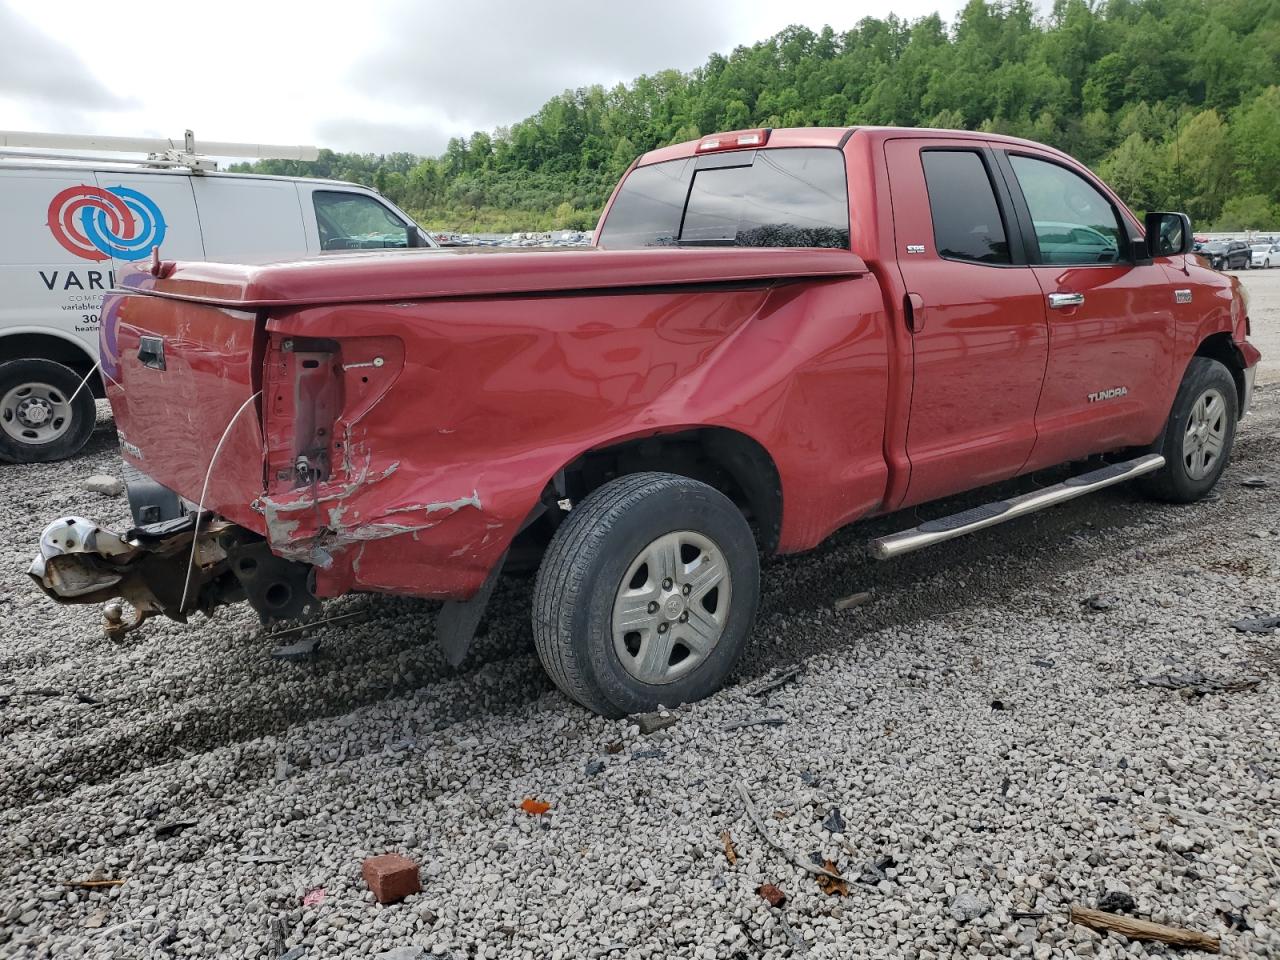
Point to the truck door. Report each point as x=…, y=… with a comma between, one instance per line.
x=1111, y=321
x=154, y=209
x=976, y=313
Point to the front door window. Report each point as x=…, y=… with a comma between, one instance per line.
x=1074, y=223
x=356, y=221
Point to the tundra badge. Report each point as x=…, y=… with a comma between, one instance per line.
x=1182, y=296
x=1108, y=394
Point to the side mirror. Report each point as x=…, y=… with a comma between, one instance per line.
x=1168, y=234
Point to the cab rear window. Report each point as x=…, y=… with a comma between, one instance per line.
x=751, y=198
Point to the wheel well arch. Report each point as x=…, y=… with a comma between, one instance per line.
x=732, y=462
x=1220, y=347
x=48, y=346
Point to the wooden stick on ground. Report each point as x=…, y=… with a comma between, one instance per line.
x=1144, y=929
x=91, y=884
x=754, y=816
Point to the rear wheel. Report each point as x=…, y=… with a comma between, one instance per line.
x=1198, y=438
x=646, y=595
x=42, y=417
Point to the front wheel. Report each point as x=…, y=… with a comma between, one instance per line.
x=42, y=417
x=1198, y=438
x=646, y=595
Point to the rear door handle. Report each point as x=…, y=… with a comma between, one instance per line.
x=1059, y=300
x=913, y=305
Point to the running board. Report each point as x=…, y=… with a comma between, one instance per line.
x=989, y=514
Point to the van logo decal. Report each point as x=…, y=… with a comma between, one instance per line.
x=97, y=224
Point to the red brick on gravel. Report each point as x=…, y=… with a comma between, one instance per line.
x=391, y=877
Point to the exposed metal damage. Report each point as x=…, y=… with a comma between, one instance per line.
x=82, y=562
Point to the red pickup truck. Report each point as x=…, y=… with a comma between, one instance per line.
x=775, y=334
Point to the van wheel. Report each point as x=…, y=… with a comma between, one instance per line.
x=1198, y=438
x=39, y=420
x=646, y=595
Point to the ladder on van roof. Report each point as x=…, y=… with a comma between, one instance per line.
x=160, y=152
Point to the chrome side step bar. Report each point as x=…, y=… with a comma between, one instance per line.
x=989, y=514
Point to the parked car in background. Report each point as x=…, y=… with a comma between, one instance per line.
x=1266, y=254
x=775, y=334
x=1226, y=254
x=1072, y=243
x=71, y=225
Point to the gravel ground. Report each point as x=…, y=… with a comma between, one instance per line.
x=977, y=722
x=1264, y=308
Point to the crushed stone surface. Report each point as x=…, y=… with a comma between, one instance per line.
x=976, y=727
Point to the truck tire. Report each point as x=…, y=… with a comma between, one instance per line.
x=1197, y=440
x=646, y=595
x=39, y=420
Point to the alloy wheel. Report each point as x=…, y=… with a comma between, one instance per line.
x=1205, y=435
x=671, y=607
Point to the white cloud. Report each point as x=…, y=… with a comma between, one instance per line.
x=382, y=76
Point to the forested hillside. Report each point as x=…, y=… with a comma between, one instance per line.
x=1174, y=102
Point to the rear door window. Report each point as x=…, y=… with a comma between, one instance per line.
x=1074, y=222
x=766, y=198
x=966, y=219
x=356, y=221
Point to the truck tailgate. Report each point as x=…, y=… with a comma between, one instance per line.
x=177, y=374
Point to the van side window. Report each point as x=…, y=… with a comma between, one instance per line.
x=356, y=221
x=966, y=221
x=1074, y=222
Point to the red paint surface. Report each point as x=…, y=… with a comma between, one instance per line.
x=499, y=368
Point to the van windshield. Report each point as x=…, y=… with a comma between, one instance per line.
x=793, y=197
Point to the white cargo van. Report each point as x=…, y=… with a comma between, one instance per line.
x=67, y=226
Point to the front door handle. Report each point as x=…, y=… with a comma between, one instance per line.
x=1059, y=300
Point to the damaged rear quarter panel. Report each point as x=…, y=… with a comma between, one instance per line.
x=435, y=474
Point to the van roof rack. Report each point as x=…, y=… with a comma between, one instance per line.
x=161, y=153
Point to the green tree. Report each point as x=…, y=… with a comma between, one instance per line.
x=1251, y=212
x=1201, y=163
x=1169, y=99
x=1136, y=171
x=1255, y=138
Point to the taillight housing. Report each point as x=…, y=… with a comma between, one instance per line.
x=734, y=140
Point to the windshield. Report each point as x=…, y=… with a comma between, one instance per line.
x=795, y=197
x=1262, y=247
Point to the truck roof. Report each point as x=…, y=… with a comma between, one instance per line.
x=831, y=137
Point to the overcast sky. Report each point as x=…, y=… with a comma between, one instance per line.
x=375, y=76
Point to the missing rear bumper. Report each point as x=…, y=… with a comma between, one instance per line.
x=174, y=567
